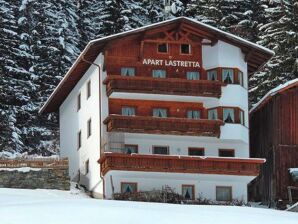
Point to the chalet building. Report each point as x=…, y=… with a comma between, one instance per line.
x=162, y=105
x=274, y=136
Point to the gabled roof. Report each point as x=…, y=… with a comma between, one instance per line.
x=279, y=89
x=257, y=55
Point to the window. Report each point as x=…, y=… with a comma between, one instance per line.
x=226, y=152
x=240, y=78
x=212, y=75
x=212, y=114
x=87, y=167
x=89, y=128
x=128, y=149
x=88, y=89
x=196, y=151
x=241, y=117
x=188, y=192
x=228, y=75
x=223, y=193
x=162, y=150
x=192, y=75
x=128, y=111
x=158, y=73
x=185, y=49
x=79, y=102
x=79, y=139
x=127, y=71
x=128, y=187
x=228, y=115
x=194, y=114
x=162, y=48
x=160, y=112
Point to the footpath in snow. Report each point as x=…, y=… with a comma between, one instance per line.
x=19, y=206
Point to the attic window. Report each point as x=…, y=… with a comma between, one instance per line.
x=162, y=48
x=185, y=49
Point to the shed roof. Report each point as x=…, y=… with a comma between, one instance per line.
x=257, y=56
x=279, y=89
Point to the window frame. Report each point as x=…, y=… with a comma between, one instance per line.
x=79, y=139
x=192, y=189
x=216, y=72
x=167, y=46
x=159, y=70
x=134, y=69
x=134, y=183
x=79, y=102
x=217, y=113
x=89, y=127
x=234, y=112
x=196, y=149
x=199, y=75
x=135, y=110
x=88, y=89
x=87, y=168
x=134, y=145
x=162, y=108
x=226, y=150
x=165, y=146
x=230, y=190
x=242, y=78
x=192, y=110
x=233, y=75
x=189, y=48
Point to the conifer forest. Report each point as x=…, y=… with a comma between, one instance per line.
x=39, y=41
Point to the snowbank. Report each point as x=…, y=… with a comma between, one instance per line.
x=52, y=206
x=21, y=169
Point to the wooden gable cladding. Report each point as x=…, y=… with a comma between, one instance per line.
x=130, y=52
x=145, y=107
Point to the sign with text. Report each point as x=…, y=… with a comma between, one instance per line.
x=173, y=63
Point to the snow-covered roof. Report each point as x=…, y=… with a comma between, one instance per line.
x=274, y=91
x=259, y=55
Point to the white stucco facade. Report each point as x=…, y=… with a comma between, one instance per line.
x=233, y=136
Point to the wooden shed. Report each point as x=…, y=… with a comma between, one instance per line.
x=274, y=136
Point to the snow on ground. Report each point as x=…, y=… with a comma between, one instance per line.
x=20, y=206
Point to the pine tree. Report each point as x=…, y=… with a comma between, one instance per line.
x=279, y=34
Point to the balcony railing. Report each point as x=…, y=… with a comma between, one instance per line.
x=171, y=126
x=179, y=164
x=170, y=86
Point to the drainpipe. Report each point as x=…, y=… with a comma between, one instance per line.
x=100, y=120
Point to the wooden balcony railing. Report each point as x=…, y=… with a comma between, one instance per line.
x=170, y=86
x=154, y=125
x=179, y=164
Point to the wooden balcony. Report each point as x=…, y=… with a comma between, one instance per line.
x=179, y=164
x=169, y=86
x=171, y=126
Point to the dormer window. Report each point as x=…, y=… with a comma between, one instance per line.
x=162, y=48
x=185, y=49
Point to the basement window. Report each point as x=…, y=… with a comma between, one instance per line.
x=162, y=48
x=223, y=193
x=127, y=187
x=185, y=49
x=188, y=192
